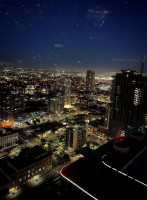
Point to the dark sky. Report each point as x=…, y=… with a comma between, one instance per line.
x=73, y=34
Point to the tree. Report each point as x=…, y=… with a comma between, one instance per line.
x=66, y=157
x=43, y=141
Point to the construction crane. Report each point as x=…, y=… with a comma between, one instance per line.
x=143, y=61
x=142, y=64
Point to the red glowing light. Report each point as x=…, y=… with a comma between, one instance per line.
x=120, y=138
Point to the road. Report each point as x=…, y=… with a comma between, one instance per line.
x=35, y=187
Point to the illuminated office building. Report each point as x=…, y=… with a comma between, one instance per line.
x=30, y=89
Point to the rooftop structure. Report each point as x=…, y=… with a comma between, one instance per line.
x=100, y=175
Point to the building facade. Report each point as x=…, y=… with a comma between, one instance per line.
x=11, y=103
x=31, y=162
x=56, y=104
x=75, y=137
x=90, y=80
x=67, y=92
x=8, y=140
x=128, y=108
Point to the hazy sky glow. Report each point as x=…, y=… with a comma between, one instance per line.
x=73, y=34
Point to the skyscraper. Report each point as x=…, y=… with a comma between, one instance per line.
x=128, y=108
x=11, y=103
x=90, y=80
x=67, y=92
x=56, y=103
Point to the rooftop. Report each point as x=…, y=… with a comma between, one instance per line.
x=5, y=168
x=29, y=156
x=138, y=166
x=99, y=181
x=10, y=132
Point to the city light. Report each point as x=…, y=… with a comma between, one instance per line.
x=68, y=106
x=6, y=124
x=73, y=91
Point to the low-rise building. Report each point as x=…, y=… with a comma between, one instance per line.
x=8, y=140
x=21, y=169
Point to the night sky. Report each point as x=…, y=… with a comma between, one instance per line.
x=73, y=34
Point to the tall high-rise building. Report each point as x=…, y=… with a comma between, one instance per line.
x=11, y=103
x=75, y=137
x=56, y=103
x=67, y=92
x=128, y=108
x=90, y=80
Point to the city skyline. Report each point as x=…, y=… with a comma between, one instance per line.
x=73, y=35
x=52, y=120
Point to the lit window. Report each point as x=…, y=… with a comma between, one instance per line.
x=137, y=96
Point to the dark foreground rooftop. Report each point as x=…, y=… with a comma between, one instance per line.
x=101, y=182
x=138, y=166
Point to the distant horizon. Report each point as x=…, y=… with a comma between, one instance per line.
x=82, y=70
x=136, y=68
x=83, y=34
